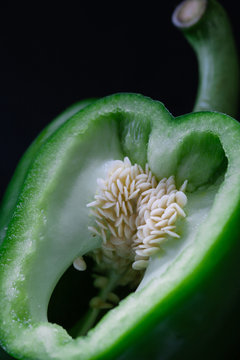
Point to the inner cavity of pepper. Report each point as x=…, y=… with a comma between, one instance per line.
x=133, y=214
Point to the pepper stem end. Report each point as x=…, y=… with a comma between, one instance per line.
x=188, y=13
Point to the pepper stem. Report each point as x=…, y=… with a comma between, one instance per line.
x=206, y=26
x=89, y=321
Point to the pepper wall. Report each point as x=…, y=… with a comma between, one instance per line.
x=51, y=57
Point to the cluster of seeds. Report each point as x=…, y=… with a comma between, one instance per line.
x=133, y=214
x=158, y=209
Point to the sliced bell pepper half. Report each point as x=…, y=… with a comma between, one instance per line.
x=190, y=284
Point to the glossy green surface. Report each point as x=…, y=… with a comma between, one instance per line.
x=10, y=198
x=11, y=195
x=183, y=302
x=48, y=244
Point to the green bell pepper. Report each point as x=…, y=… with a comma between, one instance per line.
x=46, y=221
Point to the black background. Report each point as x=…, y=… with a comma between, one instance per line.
x=51, y=57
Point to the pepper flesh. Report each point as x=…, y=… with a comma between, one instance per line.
x=185, y=275
x=189, y=277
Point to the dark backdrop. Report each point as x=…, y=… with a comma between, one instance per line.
x=51, y=57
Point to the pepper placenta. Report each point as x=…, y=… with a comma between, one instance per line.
x=180, y=303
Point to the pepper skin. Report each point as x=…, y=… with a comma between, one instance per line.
x=182, y=288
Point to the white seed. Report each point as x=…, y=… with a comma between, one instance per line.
x=134, y=194
x=133, y=173
x=140, y=169
x=171, y=233
x=157, y=232
x=111, y=228
x=184, y=186
x=124, y=173
x=127, y=161
x=108, y=205
x=132, y=222
x=141, y=177
x=120, y=186
x=163, y=201
x=143, y=200
x=124, y=208
x=118, y=221
x=170, y=181
x=95, y=213
x=115, y=174
x=151, y=202
x=137, y=240
x=114, y=190
x=107, y=214
x=146, y=215
x=138, y=221
x=179, y=209
x=117, y=209
x=157, y=241
x=79, y=264
x=129, y=206
x=140, y=264
x=140, y=235
x=100, y=198
x=154, y=182
x=151, y=251
x=148, y=238
x=161, y=185
x=140, y=182
x=93, y=203
x=146, y=231
x=150, y=224
x=142, y=210
x=137, y=257
x=155, y=204
x=149, y=176
x=171, y=199
x=171, y=227
x=144, y=186
x=149, y=191
x=158, y=211
x=95, y=231
x=168, y=213
x=132, y=186
x=155, y=218
x=181, y=198
x=127, y=182
x=161, y=223
x=171, y=188
x=109, y=196
x=173, y=218
x=100, y=224
x=127, y=232
x=126, y=219
x=140, y=252
x=125, y=193
x=160, y=193
x=141, y=246
x=120, y=230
